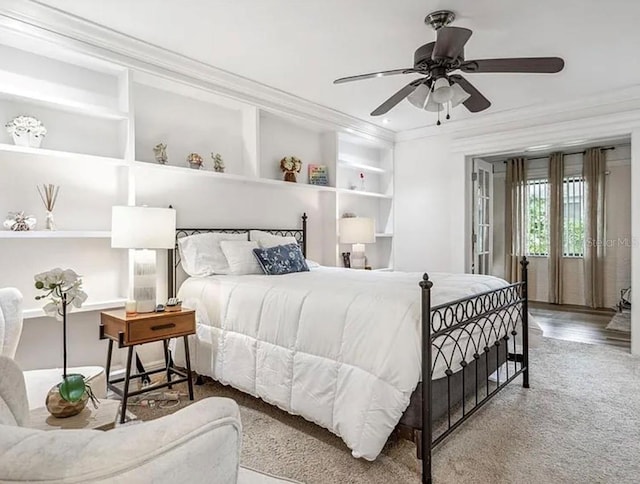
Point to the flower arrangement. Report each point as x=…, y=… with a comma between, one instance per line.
x=26, y=131
x=26, y=124
x=63, y=289
x=290, y=165
x=195, y=160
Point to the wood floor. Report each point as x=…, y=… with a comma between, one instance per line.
x=574, y=323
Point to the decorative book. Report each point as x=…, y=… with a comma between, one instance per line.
x=319, y=175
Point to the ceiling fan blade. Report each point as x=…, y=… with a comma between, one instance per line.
x=386, y=106
x=371, y=75
x=450, y=43
x=476, y=102
x=543, y=65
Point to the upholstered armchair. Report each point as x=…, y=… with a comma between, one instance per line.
x=38, y=382
x=200, y=443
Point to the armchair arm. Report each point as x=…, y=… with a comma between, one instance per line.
x=10, y=320
x=200, y=443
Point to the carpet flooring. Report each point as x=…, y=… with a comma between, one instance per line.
x=578, y=423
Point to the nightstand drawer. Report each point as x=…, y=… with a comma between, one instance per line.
x=153, y=329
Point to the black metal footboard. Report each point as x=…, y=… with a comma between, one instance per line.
x=463, y=341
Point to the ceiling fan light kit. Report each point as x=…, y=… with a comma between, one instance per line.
x=441, y=87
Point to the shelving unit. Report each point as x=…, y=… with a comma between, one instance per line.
x=103, y=121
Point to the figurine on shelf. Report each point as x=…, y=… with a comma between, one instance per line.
x=218, y=164
x=19, y=222
x=160, y=153
x=26, y=131
x=362, y=186
x=195, y=161
x=290, y=165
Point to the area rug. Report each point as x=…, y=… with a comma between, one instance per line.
x=621, y=321
x=579, y=422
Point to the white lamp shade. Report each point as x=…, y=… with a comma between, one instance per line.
x=431, y=105
x=357, y=230
x=143, y=228
x=442, y=91
x=459, y=95
x=419, y=96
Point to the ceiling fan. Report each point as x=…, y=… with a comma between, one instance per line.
x=440, y=88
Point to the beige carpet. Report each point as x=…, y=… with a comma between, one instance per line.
x=579, y=422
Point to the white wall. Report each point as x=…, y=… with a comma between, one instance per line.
x=430, y=206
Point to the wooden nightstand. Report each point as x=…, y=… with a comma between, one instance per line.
x=129, y=331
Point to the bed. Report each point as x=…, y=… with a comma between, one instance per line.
x=347, y=349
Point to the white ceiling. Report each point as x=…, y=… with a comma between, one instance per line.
x=300, y=46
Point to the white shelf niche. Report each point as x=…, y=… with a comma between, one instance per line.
x=84, y=89
x=190, y=120
x=281, y=136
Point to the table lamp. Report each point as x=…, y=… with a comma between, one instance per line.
x=357, y=231
x=143, y=229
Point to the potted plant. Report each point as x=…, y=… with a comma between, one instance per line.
x=290, y=165
x=63, y=291
x=26, y=131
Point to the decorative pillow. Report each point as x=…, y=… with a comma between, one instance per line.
x=201, y=255
x=240, y=257
x=282, y=259
x=311, y=264
x=267, y=240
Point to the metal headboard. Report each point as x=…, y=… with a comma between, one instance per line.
x=174, y=255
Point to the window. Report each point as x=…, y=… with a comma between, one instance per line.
x=538, y=192
x=538, y=217
x=573, y=237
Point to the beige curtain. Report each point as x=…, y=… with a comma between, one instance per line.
x=556, y=226
x=515, y=217
x=593, y=171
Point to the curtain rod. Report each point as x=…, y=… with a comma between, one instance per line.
x=567, y=154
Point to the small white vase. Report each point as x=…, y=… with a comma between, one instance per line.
x=49, y=223
x=27, y=139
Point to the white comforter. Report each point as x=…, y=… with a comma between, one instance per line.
x=339, y=347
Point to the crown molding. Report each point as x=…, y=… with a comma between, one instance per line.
x=45, y=23
x=605, y=104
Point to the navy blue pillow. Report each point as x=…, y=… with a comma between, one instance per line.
x=281, y=259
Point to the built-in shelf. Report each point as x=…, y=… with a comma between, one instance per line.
x=23, y=150
x=360, y=193
x=12, y=89
x=381, y=235
x=352, y=165
x=231, y=177
x=55, y=234
x=86, y=307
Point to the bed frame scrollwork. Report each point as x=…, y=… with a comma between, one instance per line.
x=479, y=329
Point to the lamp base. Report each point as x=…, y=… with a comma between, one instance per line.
x=144, y=280
x=358, y=259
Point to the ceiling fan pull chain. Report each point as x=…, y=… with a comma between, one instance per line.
x=439, y=107
x=448, y=104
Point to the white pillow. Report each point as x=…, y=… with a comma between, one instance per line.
x=241, y=258
x=201, y=254
x=311, y=264
x=266, y=240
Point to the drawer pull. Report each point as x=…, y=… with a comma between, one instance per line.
x=163, y=326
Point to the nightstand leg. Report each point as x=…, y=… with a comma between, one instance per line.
x=188, y=358
x=167, y=360
x=125, y=393
x=108, y=366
